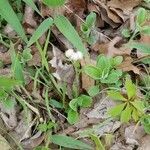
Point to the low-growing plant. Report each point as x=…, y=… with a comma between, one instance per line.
x=129, y=106
x=82, y=101
x=140, y=25
x=86, y=28
x=105, y=70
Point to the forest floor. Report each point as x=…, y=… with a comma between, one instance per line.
x=75, y=74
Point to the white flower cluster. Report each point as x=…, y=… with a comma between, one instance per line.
x=72, y=55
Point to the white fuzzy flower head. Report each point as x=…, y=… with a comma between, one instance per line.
x=80, y=55
x=69, y=53
x=73, y=55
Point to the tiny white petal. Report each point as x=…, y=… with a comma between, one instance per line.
x=74, y=57
x=69, y=53
x=80, y=55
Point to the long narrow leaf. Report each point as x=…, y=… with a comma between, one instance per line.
x=69, y=142
x=9, y=15
x=44, y=26
x=54, y=3
x=69, y=32
x=32, y=5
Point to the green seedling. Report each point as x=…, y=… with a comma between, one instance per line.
x=82, y=101
x=105, y=70
x=140, y=26
x=130, y=106
x=87, y=26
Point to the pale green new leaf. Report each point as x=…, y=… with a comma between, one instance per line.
x=139, y=105
x=115, y=111
x=97, y=141
x=84, y=101
x=69, y=142
x=126, y=114
x=66, y=28
x=93, y=72
x=32, y=5
x=73, y=116
x=130, y=87
x=7, y=83
x=9, y=15
x=116, y=95
x=54, y=3
x=141, y=16
x=43, y=27
x=93, y=91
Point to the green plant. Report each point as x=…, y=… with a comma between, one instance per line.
x=130, y=105
x=87, y=26
x=105, y=70
x=80, y=102
x=69, y=142
x=140, y=26
x=54, y=3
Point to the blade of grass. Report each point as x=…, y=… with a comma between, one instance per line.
x=9, y=15
x=66, y=28
x=32, y=5
x=43, y=27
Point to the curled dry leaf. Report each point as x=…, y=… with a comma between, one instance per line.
x=127, y=65
x=125, y=5
x=34, y=141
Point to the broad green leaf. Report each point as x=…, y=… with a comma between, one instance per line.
x=113, y=77
x=16, y=66
x=73, y=116
x=8, y=83
x=90, y=20
x=130, y=87
x=43, y=27
x=139, y=105
x=9, y=15
x=84, y=101
x=116, y=95
x=74, y=104
x=54, y=3
x=103, y=62
x=145, y=30
x=135, y=115
x=32, y=5
x=141, y=16
x=116, y=111
x=93, y=91
x=145, y=121
x=126, y=114
x=116, y=61
x=97, y=141
x=69, y=142
x=66, y=28
x=144, y=48
x=93, y=72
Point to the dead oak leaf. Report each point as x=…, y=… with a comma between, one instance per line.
x=125, y=5
x=128, y=66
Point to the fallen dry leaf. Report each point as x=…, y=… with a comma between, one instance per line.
x=125, y=5
x=127, y=65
